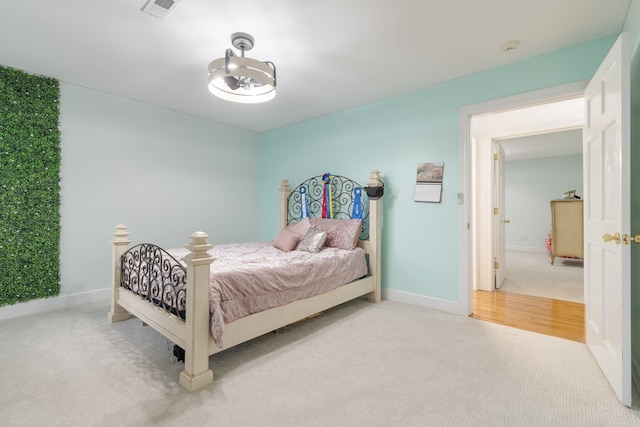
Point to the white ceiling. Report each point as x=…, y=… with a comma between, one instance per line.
x=330, y=55
x=552, y=144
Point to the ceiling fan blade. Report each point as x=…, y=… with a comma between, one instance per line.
x=232, y=82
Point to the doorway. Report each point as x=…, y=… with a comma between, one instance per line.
x=545, y=116
x=537, y=169
x=481, y=124
x=606, y=214
x=534, y=138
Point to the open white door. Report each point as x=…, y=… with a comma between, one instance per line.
x=499, y=221
x=607, y=280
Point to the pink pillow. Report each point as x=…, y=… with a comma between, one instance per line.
x=286, y=240
x=341, y=233
x=300, y=228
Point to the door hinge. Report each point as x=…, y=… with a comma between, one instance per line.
x=495, y=211
x=495, y=156
x=496, y=265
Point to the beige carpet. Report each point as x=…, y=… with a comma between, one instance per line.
x=531, y=273
x=362, y=364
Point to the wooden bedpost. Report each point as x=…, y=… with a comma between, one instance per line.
x=375, y=237
x=120, y=245
x=196, y=373
x=285, y=190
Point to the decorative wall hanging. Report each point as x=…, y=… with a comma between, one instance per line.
x=429, y=182
x=304, y=204
x=29, y=187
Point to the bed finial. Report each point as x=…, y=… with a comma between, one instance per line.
x=285, y=190
x=121, y=233
x=374, y=179
x=199, y=246
x=375, y=189
x=284, y=186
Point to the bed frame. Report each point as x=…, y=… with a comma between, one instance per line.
x=193, y=333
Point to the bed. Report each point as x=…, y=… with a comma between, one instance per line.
x=180, y=293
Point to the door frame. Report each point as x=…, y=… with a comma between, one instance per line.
x=499, y=219
x=473, y=225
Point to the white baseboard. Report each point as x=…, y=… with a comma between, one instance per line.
x=54, y=303
x=103, y=295
x=525, y=248
x=452, y=307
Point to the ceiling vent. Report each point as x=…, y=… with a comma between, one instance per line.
x=159, y=8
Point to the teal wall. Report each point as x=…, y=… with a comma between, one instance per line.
x=122, y=159
x=420, y=246
x=529, y=186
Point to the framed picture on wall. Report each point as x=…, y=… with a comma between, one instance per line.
x=429, y=182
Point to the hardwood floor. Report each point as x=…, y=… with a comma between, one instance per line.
x=557, y=318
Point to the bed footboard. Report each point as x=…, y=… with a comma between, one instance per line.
x=191, y=331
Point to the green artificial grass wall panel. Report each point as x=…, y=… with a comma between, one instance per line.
x=29, y=187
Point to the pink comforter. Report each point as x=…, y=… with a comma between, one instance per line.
x=247, y=278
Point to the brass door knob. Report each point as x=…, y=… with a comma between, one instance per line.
x=506, y=221
x=606, y=237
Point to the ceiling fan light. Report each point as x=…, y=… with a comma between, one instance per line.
x=240, y=79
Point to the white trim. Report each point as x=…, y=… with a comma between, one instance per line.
x=526, y=249
x=465, y=301
x=465, y=225
x=423, y=301
x=55, y=303
x=528, y=99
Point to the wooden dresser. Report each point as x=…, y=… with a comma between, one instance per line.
x=567, y=229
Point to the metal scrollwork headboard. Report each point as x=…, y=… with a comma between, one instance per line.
x=343, y=200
